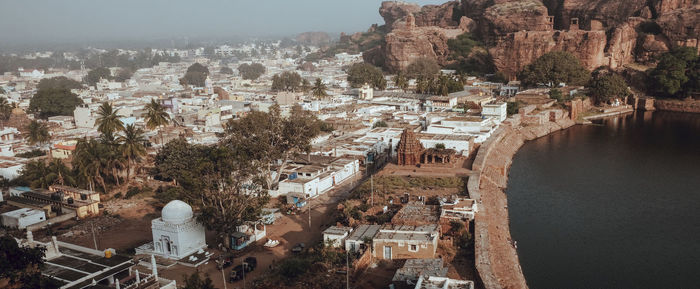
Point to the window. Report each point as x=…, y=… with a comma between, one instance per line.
x=413, y=248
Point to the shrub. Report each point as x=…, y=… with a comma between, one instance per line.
x=132, y=191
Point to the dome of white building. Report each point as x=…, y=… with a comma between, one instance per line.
x=177, y=212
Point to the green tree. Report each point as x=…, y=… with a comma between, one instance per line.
x=605, y=85
x=226, y=70
x=37, y=132
x=251, y=71
x=194, y=281
x=123, y=75
x=60, y=174
x=132, y=146
x=91, y=162
x=268, y=137
x=108, y=121
x=22, y=265
x=36, y=175
x=469, y=55
x=196, y=75
x=401, y=81
x=677, y=73
x=423, y=67
x=59, y=82
x=305, y=85
x=556, y=94
x=360, y=74
x=94, y=76
x=156, y=117
x=5, y=111
x=380, y=123
x=286, y=81
x=554, y=68
x=53, y=102
x=440, y=146
x=319, y=89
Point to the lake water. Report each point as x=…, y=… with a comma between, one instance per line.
x=610, y=205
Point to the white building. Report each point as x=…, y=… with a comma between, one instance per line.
x=176, y=234
x=83, y=117
x=335, y=236
x=499, y=111
x=22, y=218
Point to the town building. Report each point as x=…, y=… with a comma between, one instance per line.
x=176, y=234
x=360, y=236
x=22, y=218
x=433, y=282
x=335, y=236
x=405, y=242
x=407, y=276
x=64, y=149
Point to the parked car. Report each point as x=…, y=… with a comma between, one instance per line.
x=250, y=263
x=298, y=248
x=236, y=274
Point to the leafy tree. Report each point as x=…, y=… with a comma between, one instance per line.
x=5, y=110
x=401, y=81
x=22, y=265
x=60, y=173
x=59, y=82
x=194, y=281
x=108, y=121
x=156, y=117
x=553, y=68
x=440, y=146
x=498, y=77
x=53, y=102
x=196, y=75
x=305, y=85
x=286, y=81
x=37, y=132
x=123, y=75
x=677, y=72
x=319, y=89
x=556, y=94
x=2, y=90
x=380, y=123
x=513, y=107
x=226, y=70
x=36, y=175
x=251, y=71
x=94, y=76
x=132, y=146
x=605, y=85
x=268, y=137
x=360, y=74
x=441, y=85
x=469, y=55
x=423, y=67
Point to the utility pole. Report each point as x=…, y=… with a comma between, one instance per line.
x=94, y=240
x=347, y=269
x=371, y=182
x=223, y=276
x=308, y=203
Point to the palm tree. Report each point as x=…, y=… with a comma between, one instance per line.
x=59, y=173
x=132, y=147
x=37, y=133
x=319, y=89
x=108, y=121
x=37, y=174
x=90, y=161
x=5, y=111
x=156, y=116
x=401, y=81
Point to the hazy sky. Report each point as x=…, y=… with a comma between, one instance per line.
x=37, y=21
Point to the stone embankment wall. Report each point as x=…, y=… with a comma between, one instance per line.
x=692, y=106
x=496, y=257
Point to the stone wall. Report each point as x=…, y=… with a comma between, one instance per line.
x=692, y=106
x=496, y=258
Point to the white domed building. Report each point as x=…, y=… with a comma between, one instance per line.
x=176, y=234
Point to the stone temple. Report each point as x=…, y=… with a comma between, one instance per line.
x=409, y=149
x=176, y=234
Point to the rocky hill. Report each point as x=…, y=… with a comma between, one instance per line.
x=516, y=32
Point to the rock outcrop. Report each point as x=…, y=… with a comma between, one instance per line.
x=599, y=32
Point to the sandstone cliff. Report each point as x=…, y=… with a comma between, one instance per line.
x=599, y=32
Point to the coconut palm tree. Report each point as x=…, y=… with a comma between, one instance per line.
x=132, y=146
x=59, y=173
x=37, y=133
x=401, y=81
x=37, y=174
x=108, y=121
x=156, y=117
x=319, y=89
x=5, y=111
x=90, y=161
